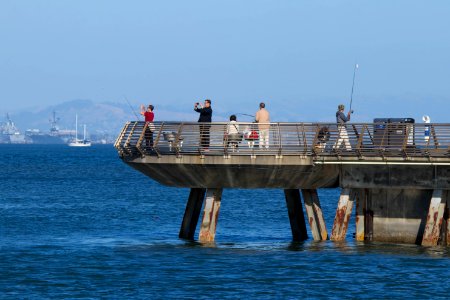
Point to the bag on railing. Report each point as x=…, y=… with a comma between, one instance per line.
x=254, y=135
x=250, y=134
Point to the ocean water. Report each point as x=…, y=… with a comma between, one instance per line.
x=79, y=223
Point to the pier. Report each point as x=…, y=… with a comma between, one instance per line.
x=394, y=177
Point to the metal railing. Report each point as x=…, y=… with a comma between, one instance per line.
x=307, y=139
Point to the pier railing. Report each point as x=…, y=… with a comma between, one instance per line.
x=382, y=140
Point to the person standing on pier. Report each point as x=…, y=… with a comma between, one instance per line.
x=149, y=117
x=205, y=117
x=341, y=119
x=263, y=119
x=232, y=133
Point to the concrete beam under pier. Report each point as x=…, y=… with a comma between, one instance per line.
x=399, y=176
x=289, y=172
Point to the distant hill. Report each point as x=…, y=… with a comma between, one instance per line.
x=100, y=118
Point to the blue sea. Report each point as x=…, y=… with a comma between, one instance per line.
x=79, y=223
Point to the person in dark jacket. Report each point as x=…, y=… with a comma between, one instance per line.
x=205, y=117
x=341, y=119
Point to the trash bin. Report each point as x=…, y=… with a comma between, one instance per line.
x=393, y=132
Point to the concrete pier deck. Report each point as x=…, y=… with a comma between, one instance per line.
x=398, y=176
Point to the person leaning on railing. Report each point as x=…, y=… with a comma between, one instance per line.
x=149, y=116
x=341, y=119
x=205, y=117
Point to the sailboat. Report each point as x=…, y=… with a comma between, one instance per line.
x=77, y=142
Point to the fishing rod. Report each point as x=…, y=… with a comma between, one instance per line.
x=353, y=85
x=245, y=115
x=131, y=107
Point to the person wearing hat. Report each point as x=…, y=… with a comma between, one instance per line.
x=341, y=119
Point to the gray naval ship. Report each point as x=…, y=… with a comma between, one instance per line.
x=54, y=136
x=10, y=134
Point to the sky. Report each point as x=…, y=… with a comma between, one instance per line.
x=296, y=56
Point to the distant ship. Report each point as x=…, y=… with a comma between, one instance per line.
x=78, y=142
x=10, y=134
x=55, y=136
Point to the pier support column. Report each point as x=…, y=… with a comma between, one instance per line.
x=192, y=213
x=448, y=220
x=210, y=215
x=434, y=219
x=343, y=213
x=361, y=208
x=315, y=216
x=295, y=212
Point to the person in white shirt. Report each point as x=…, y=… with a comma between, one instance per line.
x=233, y=133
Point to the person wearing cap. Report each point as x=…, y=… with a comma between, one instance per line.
x=262, y=118
x=341, y=119
x=149, y=115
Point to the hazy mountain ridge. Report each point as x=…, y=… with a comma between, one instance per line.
x=109, y=117
x=105, y=117
x=98, y=117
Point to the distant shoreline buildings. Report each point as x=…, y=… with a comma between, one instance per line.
x=10, y=134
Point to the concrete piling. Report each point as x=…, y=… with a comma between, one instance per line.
x=210, y=215
x=361, y=207
x=435, y=218
x=315, y=216
x=343, y=213
x=295, y=212
x=448, y=222
x=192, y=213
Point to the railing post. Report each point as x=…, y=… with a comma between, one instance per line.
x=279, y=139
x=130, y=135
x=141, y=137
x=177, y=140
x=156, y=141
x=117, y=144
x=316, y=135
x=360, y=141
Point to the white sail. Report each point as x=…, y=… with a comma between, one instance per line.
x=77, y=142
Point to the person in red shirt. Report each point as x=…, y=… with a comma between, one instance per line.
x=148, y=116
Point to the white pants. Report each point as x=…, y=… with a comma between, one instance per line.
x=342, y=137
x=264, y=138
